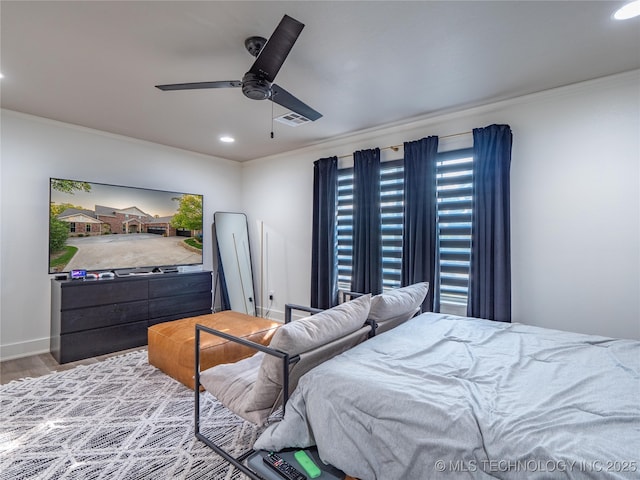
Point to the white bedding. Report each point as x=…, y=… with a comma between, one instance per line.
x=453, y=397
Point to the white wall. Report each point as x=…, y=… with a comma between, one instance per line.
x=33, y=150
x=575, y=196
x=575, y=204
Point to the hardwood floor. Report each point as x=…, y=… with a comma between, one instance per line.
x=43, y=364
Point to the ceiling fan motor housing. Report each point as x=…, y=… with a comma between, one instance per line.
x=255, y=87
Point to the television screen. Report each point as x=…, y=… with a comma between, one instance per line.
x=99, y=227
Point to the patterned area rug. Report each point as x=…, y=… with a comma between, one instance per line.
x=116, y=419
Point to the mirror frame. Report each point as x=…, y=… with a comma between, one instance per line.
x=231, y=266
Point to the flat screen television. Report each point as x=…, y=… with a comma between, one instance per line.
x=99, y=228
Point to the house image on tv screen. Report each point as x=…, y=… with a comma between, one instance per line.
x=108, y=220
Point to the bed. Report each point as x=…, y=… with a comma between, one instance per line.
x=442, y=396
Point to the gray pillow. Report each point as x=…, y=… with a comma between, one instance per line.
x=231, y=383
x=302, y=336
x=398, y=303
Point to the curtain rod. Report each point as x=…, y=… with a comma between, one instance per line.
x=395, y=148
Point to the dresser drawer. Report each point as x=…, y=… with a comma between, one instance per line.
x=102, y=292
x=90, y=343
x=180, y=285
x=182, y=304
x=103, y=316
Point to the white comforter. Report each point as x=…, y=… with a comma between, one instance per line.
x=453, y=397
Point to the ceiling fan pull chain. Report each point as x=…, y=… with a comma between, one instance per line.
x=271, y=119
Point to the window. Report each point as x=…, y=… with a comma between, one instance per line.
x=454, y=187
x=72, y=227
x=391, y=211
x=87, y=227
x=454, y=190
x=391, y=206
x=344, y=229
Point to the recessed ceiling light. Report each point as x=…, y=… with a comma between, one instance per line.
x=1, y=75
x=630, y=10
x=227, y=139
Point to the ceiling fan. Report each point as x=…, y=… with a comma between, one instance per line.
x=257, y=83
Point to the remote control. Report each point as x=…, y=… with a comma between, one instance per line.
x=307, y=464
x=282, y=467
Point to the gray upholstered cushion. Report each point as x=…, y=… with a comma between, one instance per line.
x=319, y=329
x=301, y=336
x=399, y=304
x=231, y=383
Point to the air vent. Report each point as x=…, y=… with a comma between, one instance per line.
x=292, y=119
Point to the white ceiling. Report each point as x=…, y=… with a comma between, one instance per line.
x=361, y=64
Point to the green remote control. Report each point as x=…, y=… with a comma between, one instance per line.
x=307, y=464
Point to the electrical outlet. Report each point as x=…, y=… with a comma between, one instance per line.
x=271, y=293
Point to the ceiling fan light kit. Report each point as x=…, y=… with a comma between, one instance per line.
x=257, y=83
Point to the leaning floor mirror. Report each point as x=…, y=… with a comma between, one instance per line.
x=233, y=255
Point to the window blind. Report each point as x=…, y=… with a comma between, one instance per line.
x=391, y=211
x=344, y=214
x=391, y=214
x=454, y=173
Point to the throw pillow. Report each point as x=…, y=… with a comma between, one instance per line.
x=302, y=336
x=399, y=302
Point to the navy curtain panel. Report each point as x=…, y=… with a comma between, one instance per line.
x=324, y=261
x=419, y=238
x=367, y=243
x=490, y=275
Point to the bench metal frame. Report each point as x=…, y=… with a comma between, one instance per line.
x=287, y=362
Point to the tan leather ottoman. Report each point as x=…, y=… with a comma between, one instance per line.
x=172, y=344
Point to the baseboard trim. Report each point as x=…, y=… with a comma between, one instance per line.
x=271, y=314
x=12, y=351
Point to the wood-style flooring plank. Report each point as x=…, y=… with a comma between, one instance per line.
x=37, y=365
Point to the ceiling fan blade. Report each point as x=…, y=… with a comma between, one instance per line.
x=280, y=96
x=193, y=86
x=275, y=51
